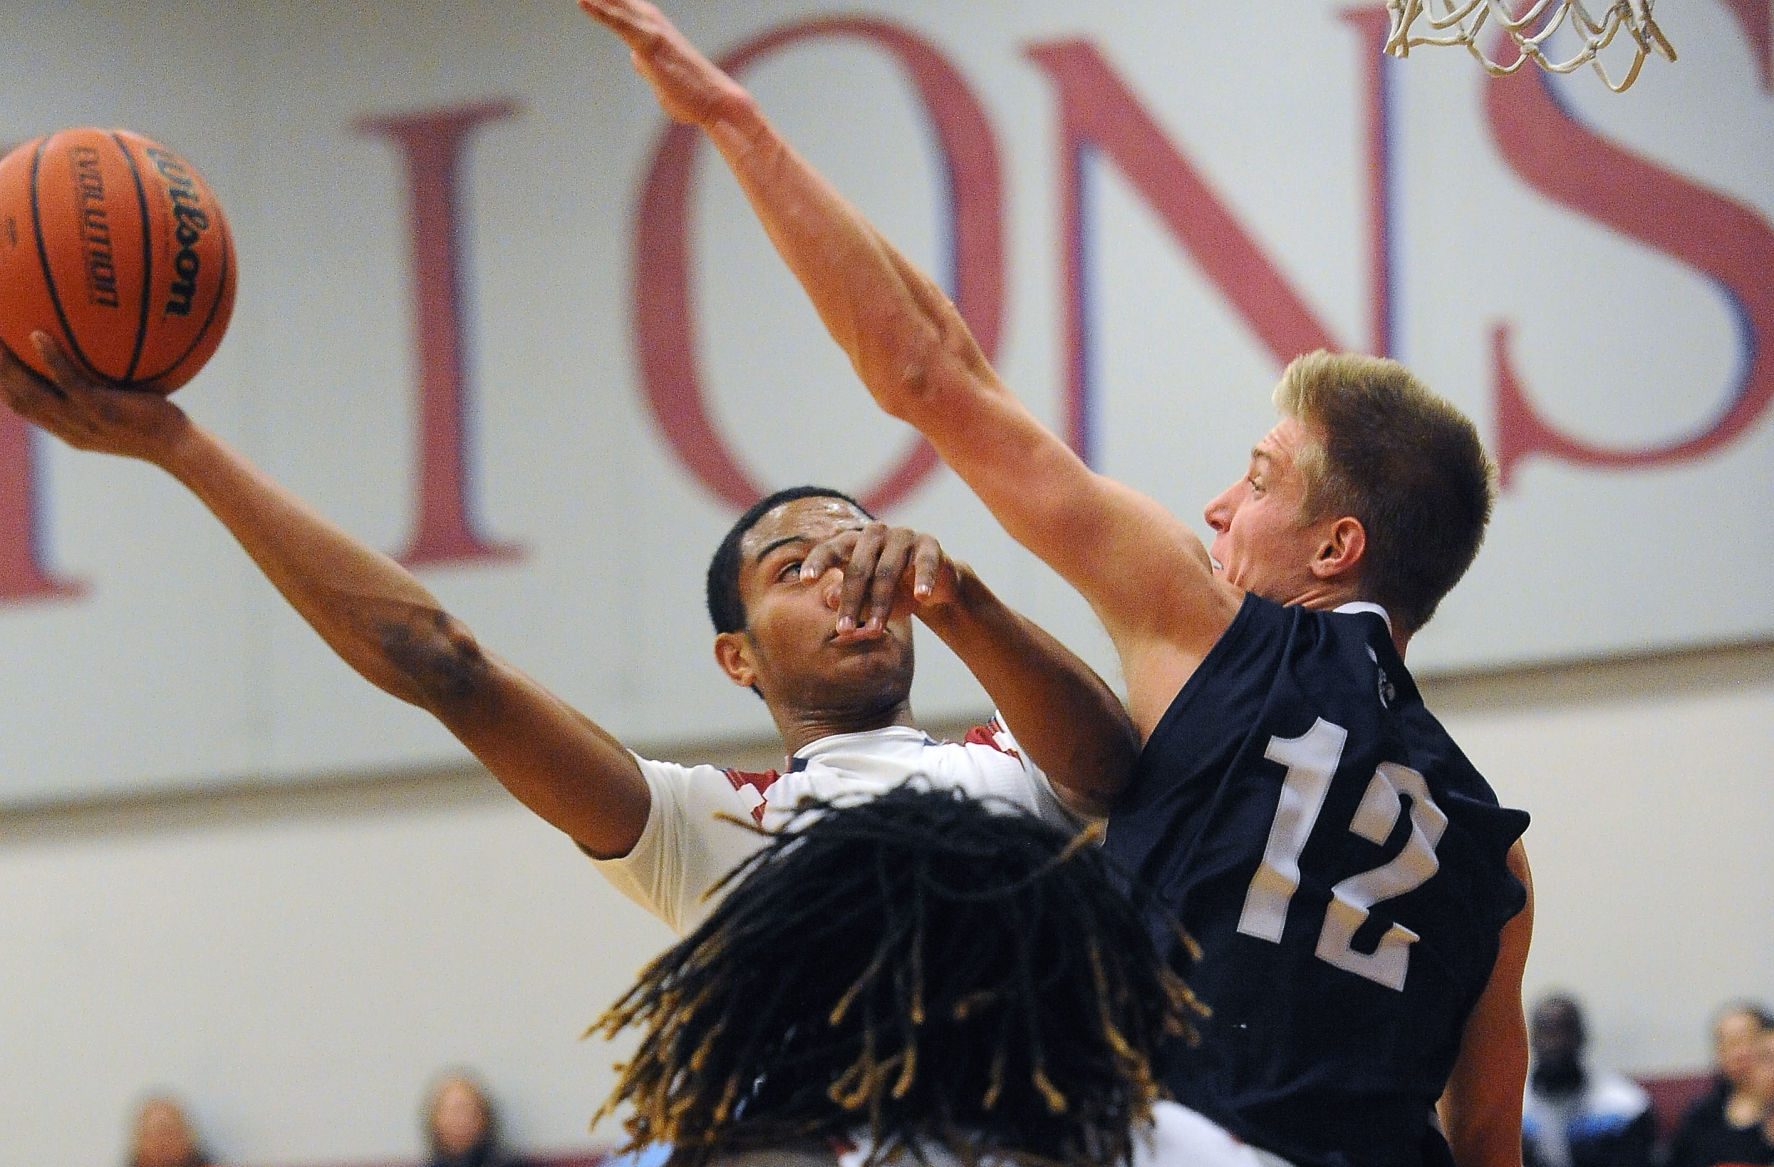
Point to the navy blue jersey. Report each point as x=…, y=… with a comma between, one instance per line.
x=1342, y=866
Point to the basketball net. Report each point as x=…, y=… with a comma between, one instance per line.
x=1461, y=22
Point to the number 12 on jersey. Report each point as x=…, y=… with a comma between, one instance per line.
x=1311, y=760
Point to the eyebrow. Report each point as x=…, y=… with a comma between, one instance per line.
x=767, y=548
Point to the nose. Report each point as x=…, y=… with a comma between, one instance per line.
x=1219, y=511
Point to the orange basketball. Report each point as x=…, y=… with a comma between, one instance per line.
x=116, y=247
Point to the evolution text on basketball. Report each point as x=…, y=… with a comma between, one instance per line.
x=95, y=228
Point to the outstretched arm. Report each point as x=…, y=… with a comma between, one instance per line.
x=371, y=611
x=1481, y=1108
x=1067, y=720
x=915, y=354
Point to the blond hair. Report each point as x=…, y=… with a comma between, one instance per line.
x=1403, y=462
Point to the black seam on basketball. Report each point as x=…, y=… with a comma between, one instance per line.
x=135, y=354
x=215, y=303
x=43, y=259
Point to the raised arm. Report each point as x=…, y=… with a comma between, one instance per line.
x=918, y=360
x=371, y=611
x=1067, y=720
x=1481, y=1108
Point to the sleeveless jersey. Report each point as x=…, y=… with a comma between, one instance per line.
x=1342, y=866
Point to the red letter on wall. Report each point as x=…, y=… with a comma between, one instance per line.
x=22, y=574
x=664, y=323
x=1562, y=159
x=431, y=144
x=1099, y=112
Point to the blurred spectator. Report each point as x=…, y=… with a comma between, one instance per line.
x=461, y=1124
x=1720, y=1127
x=1759, y=1085
x=161, y=1135
x=1575, y=1116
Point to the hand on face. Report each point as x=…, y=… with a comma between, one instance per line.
x=84, y=412
x=889, y=572
x=689, y=87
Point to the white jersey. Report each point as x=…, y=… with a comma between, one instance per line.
x=1178, y=1137
x=690, y=842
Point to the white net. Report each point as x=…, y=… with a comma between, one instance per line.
x=1524, y=27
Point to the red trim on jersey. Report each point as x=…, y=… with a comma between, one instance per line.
x=758, y=780
x=987, y=735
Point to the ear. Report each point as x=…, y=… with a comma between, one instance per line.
x=1341, y=550
x=733, y=652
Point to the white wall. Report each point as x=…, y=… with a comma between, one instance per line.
x=297, y=962
x=298, y=965
x=1653, y=835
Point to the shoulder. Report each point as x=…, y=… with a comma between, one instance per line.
x=1616, y=1095
x=993, y=735
x=674, y=780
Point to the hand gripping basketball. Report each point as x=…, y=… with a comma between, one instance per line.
x=118, y=249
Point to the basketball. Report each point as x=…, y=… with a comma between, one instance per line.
x=115, y=246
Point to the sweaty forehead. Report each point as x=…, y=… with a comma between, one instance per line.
x=811, y=519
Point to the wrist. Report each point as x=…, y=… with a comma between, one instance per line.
x=950, y=607
x=179, y=446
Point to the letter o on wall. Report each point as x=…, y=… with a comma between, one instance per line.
x=664, y=323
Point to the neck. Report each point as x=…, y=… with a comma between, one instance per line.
x=801, y=727
x=1327, y=596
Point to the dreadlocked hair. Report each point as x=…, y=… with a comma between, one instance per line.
x=936, y=971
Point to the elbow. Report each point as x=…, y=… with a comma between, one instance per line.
x=929, y=380
x=435, y=659
x=1103, y=772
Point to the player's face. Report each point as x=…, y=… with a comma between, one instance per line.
x=791, y=625
x=1259, y=542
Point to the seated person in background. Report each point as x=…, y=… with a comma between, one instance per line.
x=1756, y=1147
x=921, y=978
x=161, y=1135
x=1574, y=1116
x=461, y=1127
x=1721, y=1125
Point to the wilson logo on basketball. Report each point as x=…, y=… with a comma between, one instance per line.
x=95, y=227
x=191, y=222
